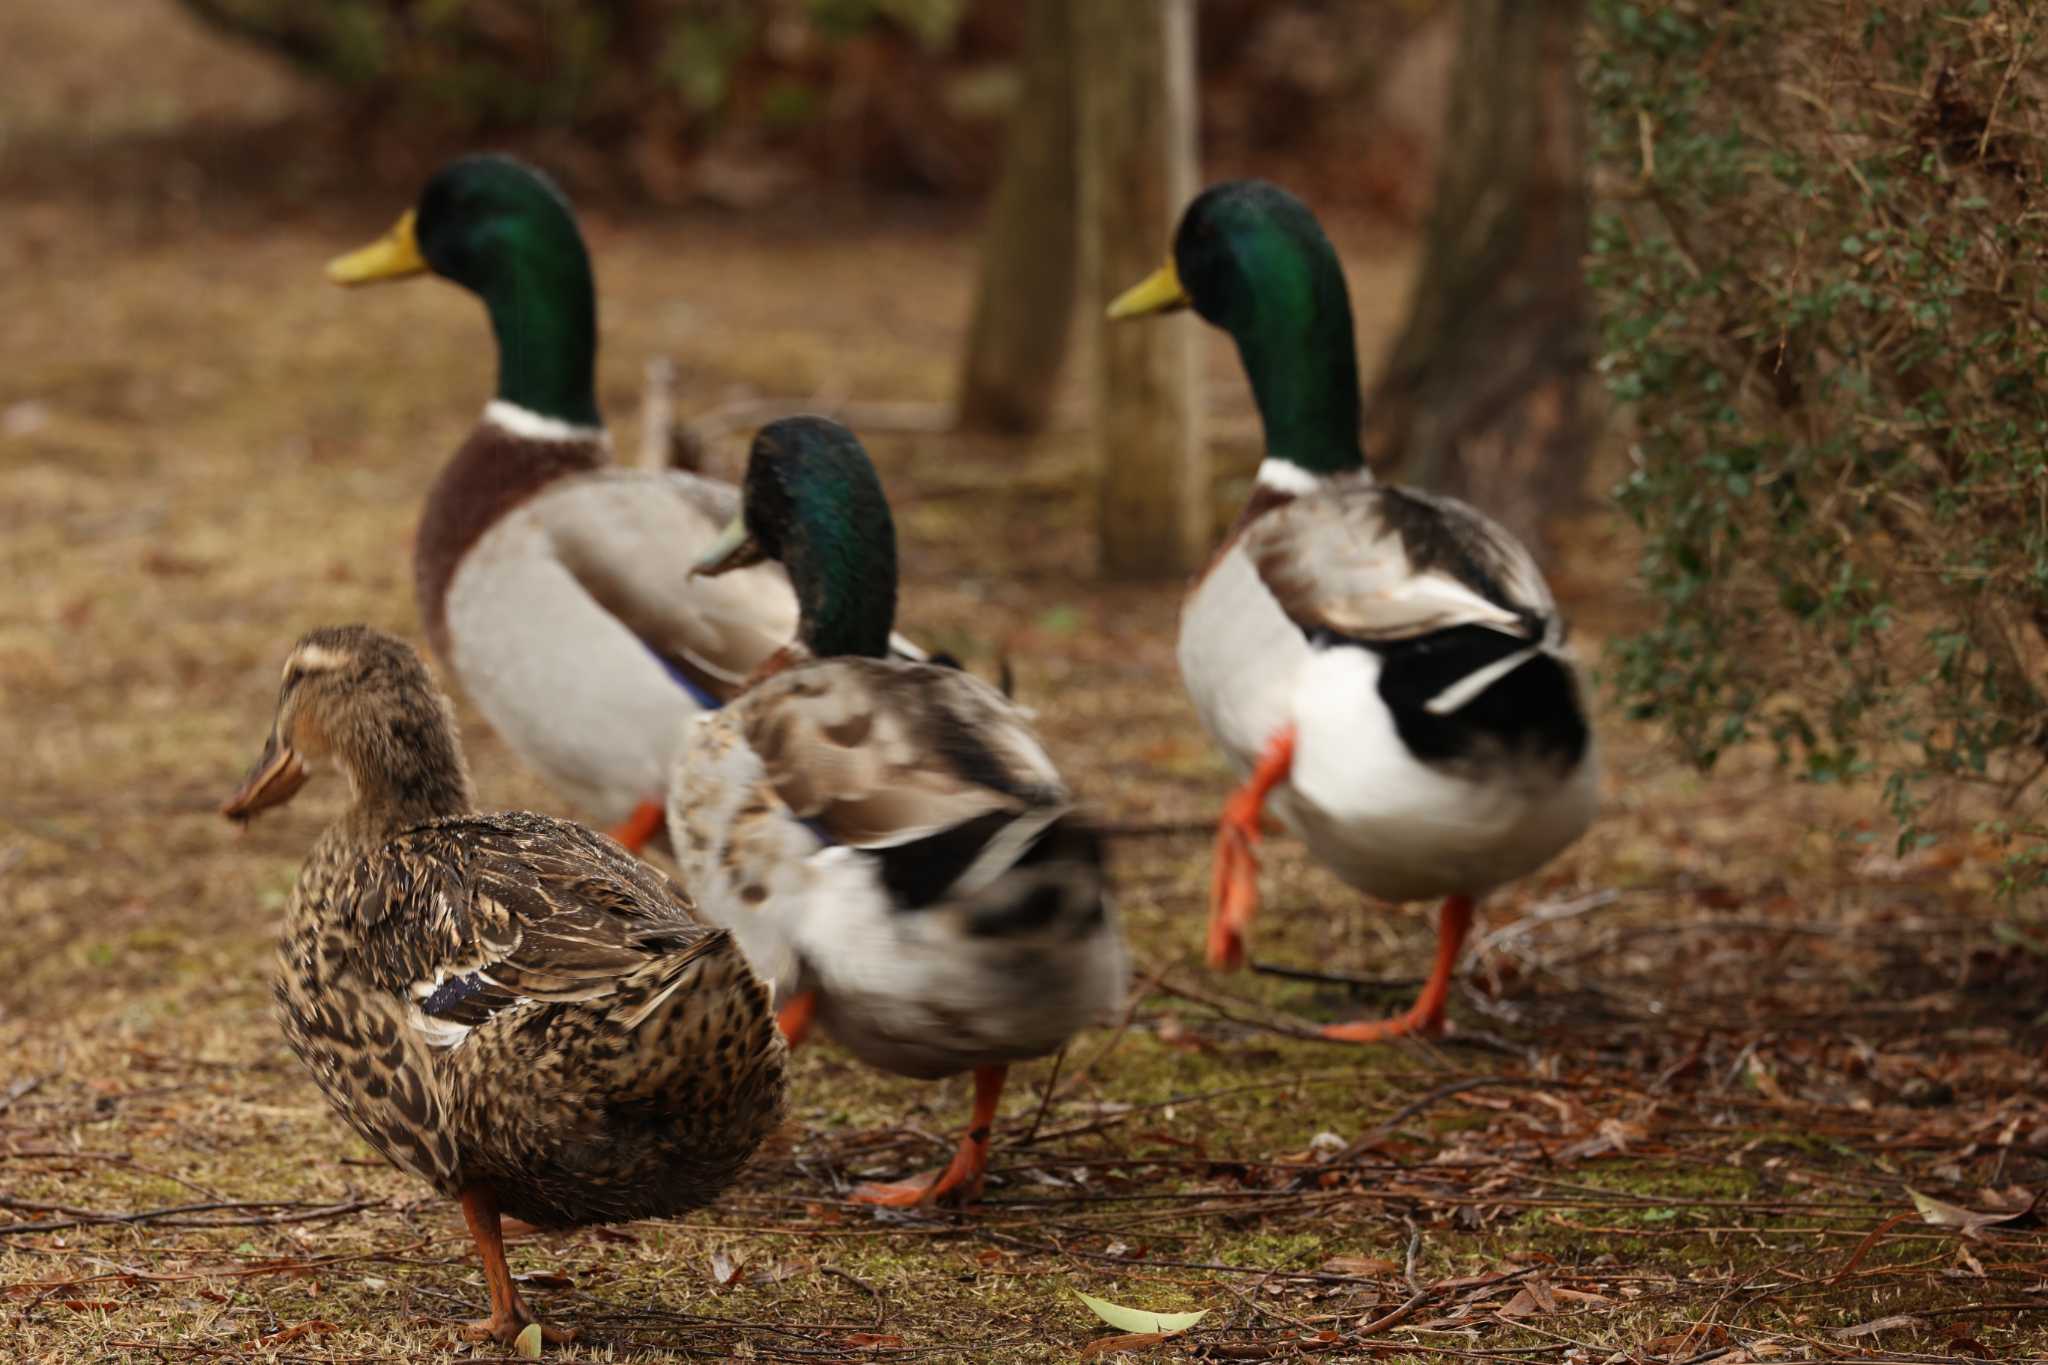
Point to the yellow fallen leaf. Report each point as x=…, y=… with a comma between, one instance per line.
x=1139, y=1319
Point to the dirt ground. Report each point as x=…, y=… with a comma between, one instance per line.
x=1727, y=1082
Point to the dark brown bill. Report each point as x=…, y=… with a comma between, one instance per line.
x=274, y=780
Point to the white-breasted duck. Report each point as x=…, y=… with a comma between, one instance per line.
x=888, y=840
x=554, y=585
x=1386, y=666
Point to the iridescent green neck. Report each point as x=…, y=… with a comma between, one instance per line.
x=1299, y=354
x=846, y=591
x=544, y=313
x=1255, y=262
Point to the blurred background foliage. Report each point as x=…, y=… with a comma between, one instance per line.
x=1818, y=258
x=736, y=99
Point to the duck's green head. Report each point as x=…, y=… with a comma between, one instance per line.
x=502, y=230
x=1251, y=259
x=812, y=500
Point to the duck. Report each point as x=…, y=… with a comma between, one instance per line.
x=552, y=583
x=508, y=1006
x=1385, y=668
x=889, y=840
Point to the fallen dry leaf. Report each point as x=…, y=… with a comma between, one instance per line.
x=1874, y=1326
x=1966, y=1221
x=315, y=1327
x=1129, y=1341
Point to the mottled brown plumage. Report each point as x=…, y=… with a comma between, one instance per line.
x=508, y=1006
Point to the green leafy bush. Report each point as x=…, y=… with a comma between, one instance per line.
x=1819, y=260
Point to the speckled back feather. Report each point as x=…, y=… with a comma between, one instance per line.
x=514, y=1000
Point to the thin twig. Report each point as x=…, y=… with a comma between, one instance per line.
x=1045, y=1094
x=172, y=1216
x=881, y=1304
x=1381, y=1131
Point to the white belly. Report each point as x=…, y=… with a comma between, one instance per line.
x=1386, y=823
x=573, y=692
x=1400, y=829
x=906, y=991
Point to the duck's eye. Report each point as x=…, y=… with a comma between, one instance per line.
x=293, y=676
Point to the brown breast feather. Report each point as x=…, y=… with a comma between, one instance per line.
x=493, y=473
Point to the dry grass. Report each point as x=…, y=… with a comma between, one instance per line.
x=1698, y=1063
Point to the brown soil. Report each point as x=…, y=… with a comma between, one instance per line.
x=1699, y=1064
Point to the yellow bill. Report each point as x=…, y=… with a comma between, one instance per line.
x=734, y=549
x=1158, y=292
x=391, y=257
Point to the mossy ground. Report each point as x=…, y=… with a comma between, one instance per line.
x=1698, y=1062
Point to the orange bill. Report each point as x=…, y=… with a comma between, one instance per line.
x=274, y=780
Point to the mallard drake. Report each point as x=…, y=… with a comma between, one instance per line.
x=553, y=584
x=507, y=1006
x=1387, y=666
x=888, y=839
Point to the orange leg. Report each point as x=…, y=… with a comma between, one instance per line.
x=1234, y=876
x=970, y=1162
x=796, y=1017
x=509, y=1313
x=640, y=826
x=1426, y=1016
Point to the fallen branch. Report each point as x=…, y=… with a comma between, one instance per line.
x=172, y=1215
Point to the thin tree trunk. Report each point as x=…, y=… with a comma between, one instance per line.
x=1024, y=305
x=1135, y=80
x=1481, y=397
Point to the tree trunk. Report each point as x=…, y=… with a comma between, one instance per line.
x=1024, y=306
x=1481, y=396
x=1135, y=82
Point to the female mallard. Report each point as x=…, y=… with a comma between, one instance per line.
x=1388, y=666
x=506, y=1006
x=552, y=583
x=888, y=839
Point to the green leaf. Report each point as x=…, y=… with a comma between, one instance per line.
x=527, y=1344
x=1139, y=1319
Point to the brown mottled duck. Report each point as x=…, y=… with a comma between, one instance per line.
x=508, y=1006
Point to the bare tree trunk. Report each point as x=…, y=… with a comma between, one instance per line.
x=1135, y=80
x=1024, y=305
x=1481, y=397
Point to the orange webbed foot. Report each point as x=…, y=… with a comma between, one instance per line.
x=1426, y=1017
x=636, y=829
x=964, y=1173
x=505, y=1330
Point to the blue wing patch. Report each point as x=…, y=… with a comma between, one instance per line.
x=705, y=701
x=451, y=993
